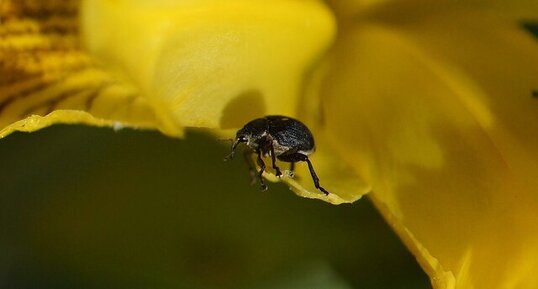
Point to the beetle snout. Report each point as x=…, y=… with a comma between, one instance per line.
x=238, y=139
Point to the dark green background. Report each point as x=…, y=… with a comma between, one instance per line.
x=85, y=207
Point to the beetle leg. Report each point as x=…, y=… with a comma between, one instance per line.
x=292, y=169
x=278, y=173
x=247, y=154
x=300, y=157
x=263, y=186
x=315, y=177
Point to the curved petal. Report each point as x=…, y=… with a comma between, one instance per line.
x=437, y=113
x=336, y=176
x=43, y=70
x=214, y=64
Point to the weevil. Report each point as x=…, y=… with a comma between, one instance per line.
x=279, y=137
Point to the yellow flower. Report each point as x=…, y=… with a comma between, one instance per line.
x=427, y=104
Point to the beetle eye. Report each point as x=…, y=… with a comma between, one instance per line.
x=243, y=139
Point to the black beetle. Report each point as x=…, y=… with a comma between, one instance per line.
x=280, y=137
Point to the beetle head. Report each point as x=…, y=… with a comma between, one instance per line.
x=250, y=134
x=240, y=137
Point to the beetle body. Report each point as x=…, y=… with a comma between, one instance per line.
x=279, y=137
x=284, y=134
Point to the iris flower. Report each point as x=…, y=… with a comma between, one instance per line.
x=425, y=106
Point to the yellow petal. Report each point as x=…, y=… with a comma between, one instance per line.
x=212, y=63
x=437, y=113
x=336, y=176
x=43, y=70
x=351, y=10
x=518, y=9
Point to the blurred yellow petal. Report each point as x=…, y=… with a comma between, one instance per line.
x=518, y=9
x=214, y=64
x=436, y=112
x=43, y=69
x=351, y=10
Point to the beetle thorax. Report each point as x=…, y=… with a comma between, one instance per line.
x=255, y=141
